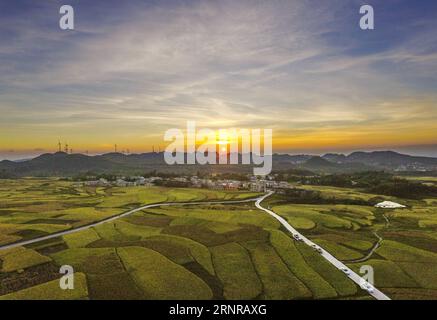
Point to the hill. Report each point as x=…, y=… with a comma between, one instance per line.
x=386, y=160
x=63, y=164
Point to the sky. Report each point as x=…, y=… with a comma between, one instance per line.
x=130, y=70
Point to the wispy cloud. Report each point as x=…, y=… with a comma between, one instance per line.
x=133, y=70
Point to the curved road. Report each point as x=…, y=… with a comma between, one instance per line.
x=376, y=246
x=121, y=215
x=371, y=252
x=325, y=254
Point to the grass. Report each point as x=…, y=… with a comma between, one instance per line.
x=341, y=193
x=186, y=195
x=399, y=252
x=159, y=278
x=87, y=215
x=288, y=252
x=358, y=244
x=301, y=223
x=421, y=179
x=422, y=273
x=407, y=255
x=278, y=282
x=20, y=258
x=29, y=231
x=339, y=251
x=411, y=294
x=387, y=274
x=204, y=251
x=235, y=270
x=234, y=214
x=82, y=239
x=222, y=227
x=8, y=238
x=343, y=285
x=114, y=286
x=52, y=291
x=108, y=231
x=135, y=231
x=199, y=252
x=174, y=251
x=90, y=260
x=51, y=205
x=318, y=215
x=151, y=220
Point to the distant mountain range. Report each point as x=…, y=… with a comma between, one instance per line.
x=63, y=164
x=360, y=161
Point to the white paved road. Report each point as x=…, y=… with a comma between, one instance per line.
x=325, y=254
x=124, y=214
x=338, y=264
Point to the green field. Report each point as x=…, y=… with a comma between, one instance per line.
x=30, y=208
x=209, y=251
x=218, y=256
x=427, y=180
x=405, y=262
x=179, y=252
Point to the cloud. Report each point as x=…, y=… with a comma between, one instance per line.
x=144, y=67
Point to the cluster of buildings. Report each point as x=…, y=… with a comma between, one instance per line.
x=415, y=167
x=121, y=182
x=255, y=184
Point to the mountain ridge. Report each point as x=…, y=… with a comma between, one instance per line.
x=61, y=163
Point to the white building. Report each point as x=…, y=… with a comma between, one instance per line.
x=259, y=186
x=121, y=183
x=389, y=205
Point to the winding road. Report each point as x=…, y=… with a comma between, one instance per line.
x=325, y=254
x=112, y=218
x=371, y=252
x=375, y=246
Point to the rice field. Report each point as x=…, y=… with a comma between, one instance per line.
x=31, y=207
x=405, y=262
x=210, y=251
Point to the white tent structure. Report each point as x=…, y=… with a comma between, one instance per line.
x=389, y=205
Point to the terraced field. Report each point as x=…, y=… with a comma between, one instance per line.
x=404, y=263
x=426, y=180
x=31, y=208
x=194, y=252
x=179, y=252
x=215, y=251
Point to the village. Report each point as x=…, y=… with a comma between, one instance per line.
x=253, y=183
